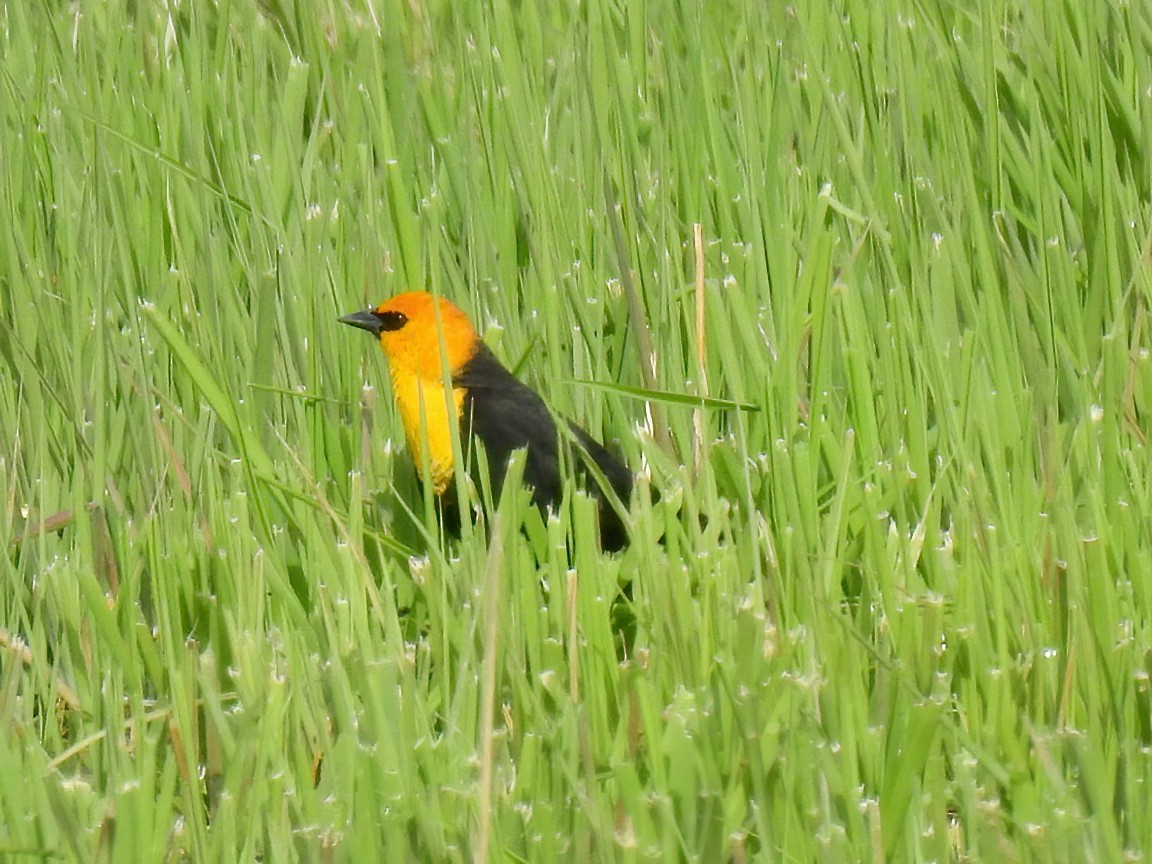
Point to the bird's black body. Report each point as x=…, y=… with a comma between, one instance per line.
x=506, y=415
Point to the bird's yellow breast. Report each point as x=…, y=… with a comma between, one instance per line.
x=424, y=411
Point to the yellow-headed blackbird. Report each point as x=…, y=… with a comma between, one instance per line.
x=489, y=403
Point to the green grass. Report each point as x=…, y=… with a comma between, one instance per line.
x=916, y=624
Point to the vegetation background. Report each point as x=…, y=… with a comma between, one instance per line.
x=916, y=623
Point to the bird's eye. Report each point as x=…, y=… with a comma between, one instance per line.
x=391, y=320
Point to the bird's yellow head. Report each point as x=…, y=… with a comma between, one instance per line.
x=410, y=336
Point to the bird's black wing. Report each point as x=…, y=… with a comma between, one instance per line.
x=506, y=415
x=613, y=534
x=614, y=471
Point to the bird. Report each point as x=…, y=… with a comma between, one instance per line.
x=490, y=404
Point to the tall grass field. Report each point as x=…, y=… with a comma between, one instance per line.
x=861, y=291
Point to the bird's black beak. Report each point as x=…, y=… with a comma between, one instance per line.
x=365, y=320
